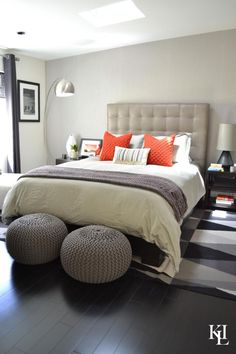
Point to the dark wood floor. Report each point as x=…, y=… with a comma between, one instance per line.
x=42, y=310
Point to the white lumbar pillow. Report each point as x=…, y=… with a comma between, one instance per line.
x=130, y=156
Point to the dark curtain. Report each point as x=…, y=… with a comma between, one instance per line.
x=13, y=112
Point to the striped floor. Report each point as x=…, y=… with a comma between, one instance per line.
x=208, y=249
x=209, y=260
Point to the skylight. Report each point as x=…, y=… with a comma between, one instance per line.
x=122, y=11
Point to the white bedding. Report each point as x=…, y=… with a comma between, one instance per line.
x=133, y=211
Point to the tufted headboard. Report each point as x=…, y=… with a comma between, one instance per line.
x=163, y=119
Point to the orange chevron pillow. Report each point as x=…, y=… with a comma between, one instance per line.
x=110, y=142
x=161, y=152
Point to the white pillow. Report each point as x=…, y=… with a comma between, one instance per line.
x=182, y=146
x=130, y=156
x=136, y=141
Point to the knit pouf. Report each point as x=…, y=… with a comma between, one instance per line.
x=35, y=238
x=96, y=254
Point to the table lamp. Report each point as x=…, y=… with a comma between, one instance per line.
x=226, y=142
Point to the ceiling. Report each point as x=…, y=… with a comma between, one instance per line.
x=54, y=28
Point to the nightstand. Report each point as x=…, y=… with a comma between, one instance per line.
x=61, y=160
x=219, y=183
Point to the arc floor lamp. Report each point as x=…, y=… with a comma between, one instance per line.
x=62, y=88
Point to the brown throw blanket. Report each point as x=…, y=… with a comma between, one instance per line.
x=162, y=186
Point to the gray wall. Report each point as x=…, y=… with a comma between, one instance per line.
x=198, y=68
x=32, y=146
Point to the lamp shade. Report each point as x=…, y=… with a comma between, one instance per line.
x=227, y=137
x=64, y=88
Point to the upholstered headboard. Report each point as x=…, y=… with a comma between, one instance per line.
x=163, y=119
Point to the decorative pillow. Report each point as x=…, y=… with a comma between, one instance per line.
x=136, y=141
x=182, y=146
x=130, y=156
x=98, y=150
x=110, y=142
x=161, y=152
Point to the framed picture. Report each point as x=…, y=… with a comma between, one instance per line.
x=29, y=103
x=88, y=147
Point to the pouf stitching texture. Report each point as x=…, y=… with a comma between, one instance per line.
x=35, y=238
x=96, y=254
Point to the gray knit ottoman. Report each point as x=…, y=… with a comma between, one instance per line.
x=96, y=254
x=35, y=238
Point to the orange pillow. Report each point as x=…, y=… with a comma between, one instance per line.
x=110, y=142
x=98, y=150
x=161, y=152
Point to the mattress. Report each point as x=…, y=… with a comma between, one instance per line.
x=7, y=180
x=136, y=212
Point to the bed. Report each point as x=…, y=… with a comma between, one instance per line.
x=145, y=217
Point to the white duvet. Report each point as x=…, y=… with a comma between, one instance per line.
x=133, y=211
